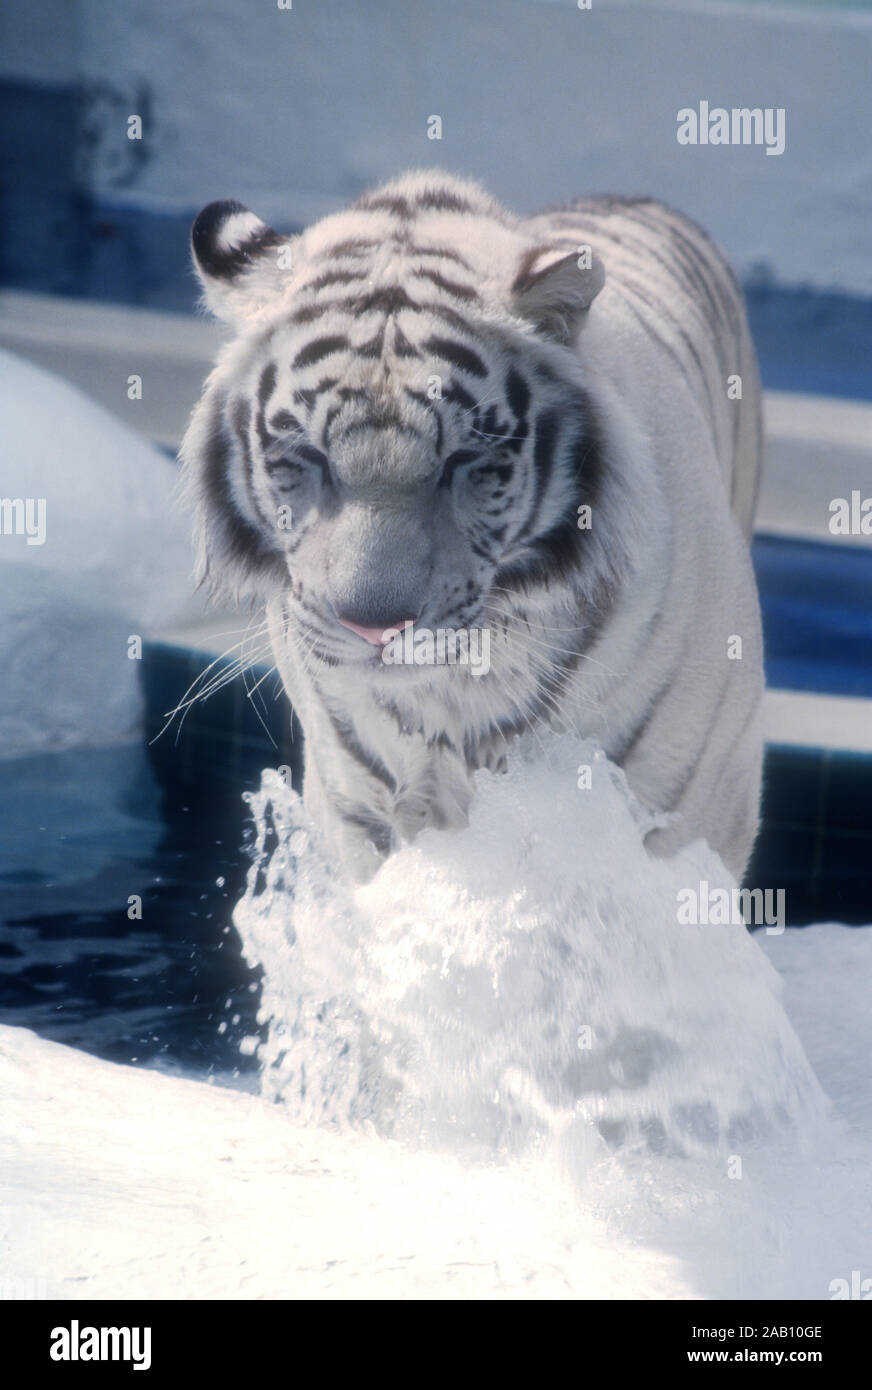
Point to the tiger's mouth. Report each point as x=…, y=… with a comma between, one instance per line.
x=416, y=649
x=378, y=636
x=409, y=649
x=415, y=653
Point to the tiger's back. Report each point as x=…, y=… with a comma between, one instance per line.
x=669, y=279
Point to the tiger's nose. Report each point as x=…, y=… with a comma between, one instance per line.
x=380, y=634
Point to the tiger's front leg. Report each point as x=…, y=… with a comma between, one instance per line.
x=342, y=794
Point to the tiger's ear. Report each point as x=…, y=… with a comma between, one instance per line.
x=554, y=291
x=230, y=246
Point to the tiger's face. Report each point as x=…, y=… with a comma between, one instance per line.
x=396, y=437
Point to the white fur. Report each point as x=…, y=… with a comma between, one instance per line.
x=656, y=687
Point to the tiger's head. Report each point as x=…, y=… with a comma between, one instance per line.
x=399, y=432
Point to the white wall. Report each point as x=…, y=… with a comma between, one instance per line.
x=39, y=42
x=295, y=111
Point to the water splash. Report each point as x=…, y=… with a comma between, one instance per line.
x=523, y=981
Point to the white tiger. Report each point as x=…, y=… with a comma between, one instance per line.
x=436, y=413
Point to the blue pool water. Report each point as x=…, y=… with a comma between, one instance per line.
x=84, y=831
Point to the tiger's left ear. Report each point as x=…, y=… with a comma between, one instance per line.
x=237, y=257
x=554, y=291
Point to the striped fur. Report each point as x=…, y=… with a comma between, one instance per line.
x=435, y=388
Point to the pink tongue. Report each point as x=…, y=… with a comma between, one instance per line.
x=376, y=635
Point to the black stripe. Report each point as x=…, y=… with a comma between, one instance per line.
x=445, y=253
x=374, y=347
x=459, y=394
x=456, y=460
x=243, y=544
x=319, y=348
x=562, y=548
x=442, y=200
x=671, y=264
x=404, y=725
x=695, y=269
x=697, y=266
x=517, y=394
x=558, y=553
x=516, y=441
x=289, y=466
x=698, y=284
x=267, y=383
x=384, y=202
x=309, y=396
x=454, y=287
x=402, y=346
x=451, y=316
x=632, y=738
x=240, y=420
x=437, y=309
x=441, y=741
x=458, y=354
x=320, y=308
x=310, y=455
x=490, y=424
x=723, y=284
x=265, y=388
x=326, y=658
x=353, y=246
x=308, y=313
x=378, y=831
x=525, y=276
x=660, y=310
x=371, y=762
x=333, y=277
x=647, y=327
x=328, y=421
x=390, y=299
x=545, y=437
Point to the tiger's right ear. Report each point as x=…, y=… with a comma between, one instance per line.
x=230, y=247
x=554, y=291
